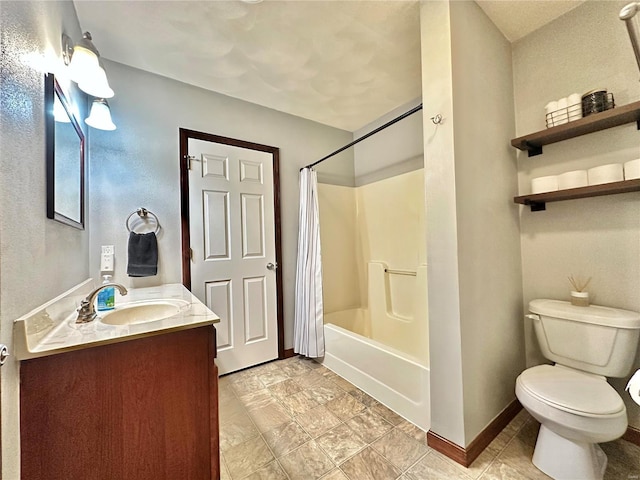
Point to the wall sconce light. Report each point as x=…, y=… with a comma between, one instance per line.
x=85, y=67
x=100, y=115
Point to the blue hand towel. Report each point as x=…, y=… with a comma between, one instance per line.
x=143, y=255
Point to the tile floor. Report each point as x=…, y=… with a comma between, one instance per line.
x=295, y=419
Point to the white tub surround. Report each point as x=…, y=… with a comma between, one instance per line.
x=51, y=329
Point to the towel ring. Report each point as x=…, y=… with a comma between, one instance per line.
x=143, y=213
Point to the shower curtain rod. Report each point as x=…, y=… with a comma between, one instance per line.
x=373, y=132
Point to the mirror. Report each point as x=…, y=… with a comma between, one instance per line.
x=65, y=158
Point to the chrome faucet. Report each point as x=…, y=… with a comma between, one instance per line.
x=87, y=310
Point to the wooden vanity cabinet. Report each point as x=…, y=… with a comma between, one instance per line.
x=140, y=409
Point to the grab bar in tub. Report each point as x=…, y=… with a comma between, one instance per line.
x=400, y=272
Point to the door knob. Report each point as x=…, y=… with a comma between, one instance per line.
x=272, y=266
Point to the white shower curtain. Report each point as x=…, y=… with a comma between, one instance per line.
x=309, y=326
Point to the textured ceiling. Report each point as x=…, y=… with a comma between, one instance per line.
x=342, y=63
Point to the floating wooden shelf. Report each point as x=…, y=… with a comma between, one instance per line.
x=537, y=201
x=593, y=123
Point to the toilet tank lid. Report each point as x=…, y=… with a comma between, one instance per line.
x=596, y=314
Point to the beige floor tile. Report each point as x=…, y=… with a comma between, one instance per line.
x=499, y=470
x=340, y=443
x=307, y=462
x=299, y=403
x=286, y=438
x=336, y=474
x=390, y=416
x=273, y=377
x=238, y=430
x=285, y=389
x=271, y=471
x=415, y=432
x=399, y=448
x=266, y=367
x=369, y=465
x=343, y=384
x=247, y=385
x=325, y=391
x=345, y=407
x=224, y=473
x=258, y=399
x=362, y=397
x=624, y=460
x=310, y=379
x=317, y=421
x=226, y=393
x=297, y=386
x=269, y=417
x=369, y=426
x=435, y=467
x=518, y=455
x=224, y=381
x=311, y=363
x=295, y=369
x=481, y=463
x=230, y=406
x=247, y=457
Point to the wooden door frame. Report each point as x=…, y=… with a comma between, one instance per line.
x=185, y=135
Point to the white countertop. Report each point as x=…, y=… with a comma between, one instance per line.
x=51, y=328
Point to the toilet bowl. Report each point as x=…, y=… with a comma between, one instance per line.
x=576, y=411
x=573, y=402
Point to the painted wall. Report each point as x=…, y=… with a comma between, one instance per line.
x=475, y=326
x=138, y=165
x=594, y=237
x=395, y=150
x=39, y=258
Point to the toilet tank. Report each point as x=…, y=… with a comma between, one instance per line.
x=595, y=339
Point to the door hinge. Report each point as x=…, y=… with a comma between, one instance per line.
x=191, y=254
x=189, y=159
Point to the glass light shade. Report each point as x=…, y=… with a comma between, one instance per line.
x=100, y=116
x=59, y=113
x=95, y=83
x=84, y=64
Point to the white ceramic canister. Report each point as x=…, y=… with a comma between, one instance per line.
x=632, y=169
x=544, y=184
x=605, y=174
x=573, y=179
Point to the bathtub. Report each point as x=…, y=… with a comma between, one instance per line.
x=388, y=375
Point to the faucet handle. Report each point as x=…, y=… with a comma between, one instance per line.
x=85, y=313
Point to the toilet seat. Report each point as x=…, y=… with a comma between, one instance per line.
x=571, y=391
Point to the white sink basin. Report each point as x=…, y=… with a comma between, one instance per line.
x=143, y=312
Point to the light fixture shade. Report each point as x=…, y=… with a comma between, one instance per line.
x=96, y=83
x=100, y=116
x=84, y=61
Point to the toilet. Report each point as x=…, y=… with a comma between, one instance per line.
x=573, y=402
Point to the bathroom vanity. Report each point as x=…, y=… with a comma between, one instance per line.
x=131, y=401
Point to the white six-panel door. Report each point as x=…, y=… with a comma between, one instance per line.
x=232, y=237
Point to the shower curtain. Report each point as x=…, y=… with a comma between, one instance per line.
x=308, y=325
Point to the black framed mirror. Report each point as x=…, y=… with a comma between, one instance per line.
x=65, y=148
